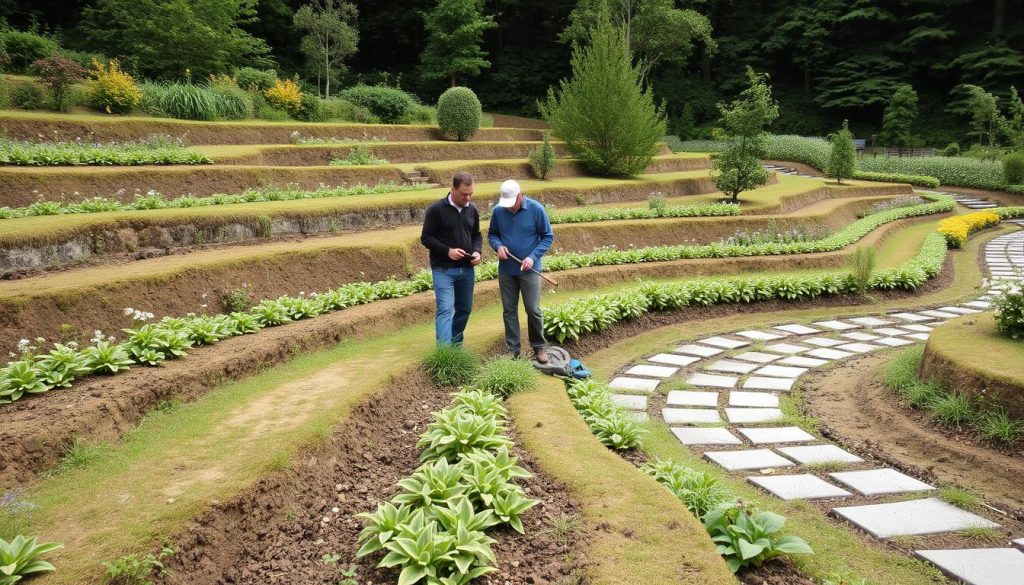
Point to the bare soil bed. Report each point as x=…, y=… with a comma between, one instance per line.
x=277, y=533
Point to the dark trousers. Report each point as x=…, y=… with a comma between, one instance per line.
x=512, y=287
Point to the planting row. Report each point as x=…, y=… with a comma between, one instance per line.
x=156, y=150
x=151, y=344
x=957, y=229
x=610, y=423
x=433, y=530
x=155, y=200
x=657, y=208
x=569, y=321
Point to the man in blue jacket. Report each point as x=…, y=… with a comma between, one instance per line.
x=520, y=229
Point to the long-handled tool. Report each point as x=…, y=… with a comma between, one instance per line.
x=539, y=273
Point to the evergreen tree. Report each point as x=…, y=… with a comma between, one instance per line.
x=456, y=29
x=330, y=39
x=744, y=123
x=842, y=160
x=542, y=158
x=899, y=117
x=605, y=115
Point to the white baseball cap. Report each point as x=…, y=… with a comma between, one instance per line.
x=509, y=193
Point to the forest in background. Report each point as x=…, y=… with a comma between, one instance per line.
x=827, y=60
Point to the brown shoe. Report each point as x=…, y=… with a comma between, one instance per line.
x=541, y=355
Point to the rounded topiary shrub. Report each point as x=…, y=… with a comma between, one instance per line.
x=459, y=112
x=390, y=104
x=1013, y=168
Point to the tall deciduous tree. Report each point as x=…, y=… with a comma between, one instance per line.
x=163, y=38
x=330, y=37
x=744, y=124
x=842, y=160
x=456, y=29
x=899, y=117
x=605, y=115
x=656, y=31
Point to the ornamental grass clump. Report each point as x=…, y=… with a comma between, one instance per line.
x=505, y=376
x=451, y=365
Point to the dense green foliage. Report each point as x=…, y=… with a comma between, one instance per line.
x=1010, y=313
x=605, y=115
x=591, y=214
x=459, y=113
x=330, y=38
x=842, y=159
x=542, y=158
x=899, y=118
x=610, y=423
x=456, y=31
x=156, y=151
x=1013, y=168
x=744, y=122
x=389, y=104
x=451, y=365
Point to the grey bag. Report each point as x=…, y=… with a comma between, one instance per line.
x=558, y=363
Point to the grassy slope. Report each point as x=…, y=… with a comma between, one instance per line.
x=973, y=344
x=216, y=446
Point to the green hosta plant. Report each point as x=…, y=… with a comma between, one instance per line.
x=480, y=403
x=106, y=357
x=455, y=432
x=382, y=525
x=431, y=483
x=473, y=556
x=746, y=536
x=699, y=491
x=498, y=459
x=206, y=331
x=420, y=549
x=459, y=511
x=62, y=365
x=20, y=378
x=270, y=313
x=510, y=506
x=617, y=431
x=485, y=482
x=21, y=558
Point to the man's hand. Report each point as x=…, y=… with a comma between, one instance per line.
x=456, y=253
x=476, y=259
x=503, y=252
x=527, y=264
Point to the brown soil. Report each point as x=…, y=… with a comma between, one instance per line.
x=275, y=533
x=506, y=121
x=776, y=572
x=854, y=405
x=397, y=152
x=114, y=128
x=508, y=169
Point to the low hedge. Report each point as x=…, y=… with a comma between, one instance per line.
x=592, y=215
x=920, y=180
x=957, y=229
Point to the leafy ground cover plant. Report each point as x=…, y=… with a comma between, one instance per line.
x=157, y=150
x=773, y=234
x=597, y=214
x=746, y=536
x=20, y=558
x=609, y=422
x=699, y=491
x=137, y=569
x=1009, y=306
x=360, y=155
x=897, y=203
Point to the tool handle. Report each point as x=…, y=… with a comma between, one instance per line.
x=534, y=270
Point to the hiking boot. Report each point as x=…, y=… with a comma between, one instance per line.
x=541, y=355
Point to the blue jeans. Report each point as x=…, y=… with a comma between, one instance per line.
x=453, y=293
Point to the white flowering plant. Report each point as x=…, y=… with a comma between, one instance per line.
x=1010, y=312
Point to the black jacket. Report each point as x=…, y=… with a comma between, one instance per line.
x=445, y=227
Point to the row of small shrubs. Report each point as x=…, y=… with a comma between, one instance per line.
x=957, y=229
x=609, y=422
x=157, y=150
x=949, y=408
x=656, y=211
x=575, y=318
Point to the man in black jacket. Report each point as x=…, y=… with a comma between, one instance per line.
x=451, y=231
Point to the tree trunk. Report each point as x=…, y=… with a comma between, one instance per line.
x=327, y=67
x=453, y=80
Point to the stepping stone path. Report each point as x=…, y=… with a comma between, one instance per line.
x=732, y=408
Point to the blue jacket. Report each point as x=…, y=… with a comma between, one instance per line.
x=527, y=234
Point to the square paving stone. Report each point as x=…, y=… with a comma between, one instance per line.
x=712, y=380
x=754, y=399
x=858, y=347
x=786, y=348
x=765, y=435
x=798, y=487
x=640, y=417
x=1019, y=542
x=636, y=384
x=766, y=383
x=690, y=416
x=808, y=454
x=725, y=342
x=890, y=331
x=630, y=401
x=688, y=398
x=859, y=336
x=940, y=314
x=912, y=317
x=781, y=371
x=870, y=321
x=919, y=336
x=796, y=329
x=675, y=360
x=828, y=354
x=893, y=341
x=836, y=325
x=873, y=482
x=753, y=415
x=926, y=516
x=802, y=362
x=823, y=342
x=653, y=371
x=960, y=310
x=760, y=335
x=698, y=350
x=918, y=328
x=757, y=357
x=731, y=366
x=979, y=566
x=748, y=459
x=705, y=436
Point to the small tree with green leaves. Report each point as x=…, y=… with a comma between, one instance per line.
x=330, y=37
x=842, y=160
x=604, y=113
x=899, y=117
x=456, y=29
x=744, y=123
x=542, y=158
